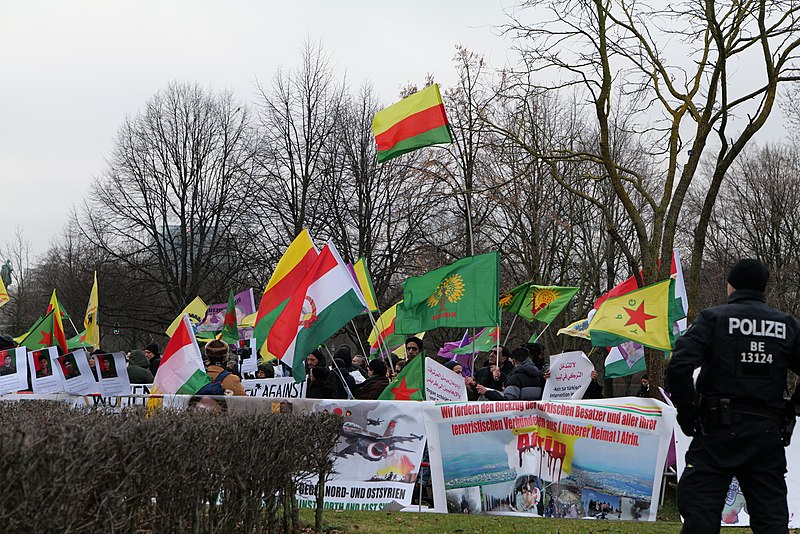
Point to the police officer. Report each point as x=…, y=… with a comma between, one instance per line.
x=735, y=410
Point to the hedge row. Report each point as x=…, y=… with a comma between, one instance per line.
x=73, y=470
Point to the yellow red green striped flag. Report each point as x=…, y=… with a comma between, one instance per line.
x=416, y=121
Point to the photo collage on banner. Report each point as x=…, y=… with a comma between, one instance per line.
x=13, y=370
x=43, y=378
x=601, y=459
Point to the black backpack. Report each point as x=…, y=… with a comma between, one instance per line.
x=215, y=387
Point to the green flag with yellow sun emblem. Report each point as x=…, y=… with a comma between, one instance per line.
x=459, y=295
x=542, y=303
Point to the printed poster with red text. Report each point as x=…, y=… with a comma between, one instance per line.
x=571, y=459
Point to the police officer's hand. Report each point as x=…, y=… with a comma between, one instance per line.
x=687, y=420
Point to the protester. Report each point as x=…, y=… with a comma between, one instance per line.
x=414, y=347
x=138, y=367
x=644, y=391
x=265, y=370
x=320, y=385
x=315, y=359
x=93, y=361
x=537, y=352
x=455, y=367
x=154, y=356
x=526, y=381
x=492, y=376
x=374, y=385
x=232, y=365
x=595, y=390
x=217, y=352
x=360, y=365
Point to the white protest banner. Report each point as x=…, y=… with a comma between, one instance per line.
x=43, y=378
x=570, y=375
x=601, y=458
x=442, y=384
x=78, y=377
x=377, y=457
x=13, y=370
x=284, y=387
x=112, y=382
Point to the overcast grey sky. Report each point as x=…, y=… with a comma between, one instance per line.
x=72, y=70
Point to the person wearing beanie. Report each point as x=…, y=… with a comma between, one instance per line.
x=734, y=411
x=154, y=356
x=217, y=352
x=138, y=368
x=315, y=359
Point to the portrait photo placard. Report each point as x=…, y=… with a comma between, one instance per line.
x=13, y=370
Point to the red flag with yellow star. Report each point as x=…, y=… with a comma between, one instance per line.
x=409, y=384
x=645, y=316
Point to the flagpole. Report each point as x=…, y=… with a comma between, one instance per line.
x=73, y=326
x=341, y=377
x=510, y=328
x=360, y=343
x=542, y=332
x=384, y=350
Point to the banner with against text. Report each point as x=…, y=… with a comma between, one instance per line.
x=571, y=459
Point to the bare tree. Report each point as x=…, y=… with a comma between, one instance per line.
x=298, y=116
x=20, y=312
x=664, y=74
x=169, y=205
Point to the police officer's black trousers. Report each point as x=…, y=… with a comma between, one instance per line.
x=753, y=452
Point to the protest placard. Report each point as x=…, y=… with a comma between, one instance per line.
x=112, y=375
x=13, y=370
x=43, y=378
x=442, y=384
x=570, y=375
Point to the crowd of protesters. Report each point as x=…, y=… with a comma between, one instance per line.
x=518, y=374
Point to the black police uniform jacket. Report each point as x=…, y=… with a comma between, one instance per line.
x=744, y=348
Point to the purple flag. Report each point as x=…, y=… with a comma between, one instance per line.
x=464, y=360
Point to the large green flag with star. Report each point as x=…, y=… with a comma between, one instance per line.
x=462, y=294
x=542, y=303
x=409, y=384
x=645, y=316
x=41, y=334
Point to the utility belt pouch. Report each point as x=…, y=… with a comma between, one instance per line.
x=725, y=412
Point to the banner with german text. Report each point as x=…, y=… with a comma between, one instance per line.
x=571, y=459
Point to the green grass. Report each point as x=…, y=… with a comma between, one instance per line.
x=355, y=522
